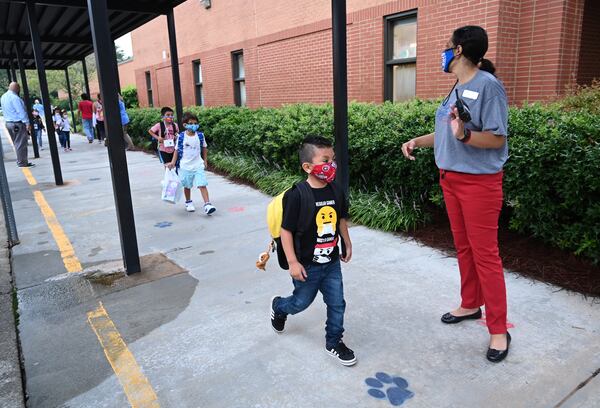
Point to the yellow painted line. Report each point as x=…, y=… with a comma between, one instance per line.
x=64, y=244
x=30, y=179
x=137, y=387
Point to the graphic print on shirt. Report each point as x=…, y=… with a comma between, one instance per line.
x=326, y=221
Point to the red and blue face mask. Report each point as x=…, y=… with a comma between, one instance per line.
x=325, y=171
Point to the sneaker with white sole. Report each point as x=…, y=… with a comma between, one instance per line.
x=209, y=208
x=342, y=353
x=189, y=206
x=277, y=320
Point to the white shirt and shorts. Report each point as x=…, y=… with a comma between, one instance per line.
x=191, y=164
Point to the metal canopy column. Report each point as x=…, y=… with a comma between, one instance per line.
x=13, y=73
x=41, y=70
x=340, y=92
x=114, y=50
x=70, y=99
x=85, y=77
x=28, y=104
x=175, y=66
x=106, y=64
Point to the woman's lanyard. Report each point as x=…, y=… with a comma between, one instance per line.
x=445, y=101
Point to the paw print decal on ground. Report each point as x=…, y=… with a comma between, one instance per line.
x=163, y=224
x=395, y=389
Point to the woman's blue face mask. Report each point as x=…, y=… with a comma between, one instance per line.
x=447, y=57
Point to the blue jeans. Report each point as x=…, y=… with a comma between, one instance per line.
x=88, y=128
x=38, y=134
x=326, y=278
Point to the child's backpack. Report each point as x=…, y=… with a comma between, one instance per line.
x=180, y=145
x=305, y=219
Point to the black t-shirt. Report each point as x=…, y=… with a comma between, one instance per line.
x=319, y=244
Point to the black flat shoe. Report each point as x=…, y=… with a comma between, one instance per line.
x=495, y=356
x=449, y=318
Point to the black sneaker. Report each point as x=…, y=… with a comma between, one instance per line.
x=277, y=320
x=343, y=354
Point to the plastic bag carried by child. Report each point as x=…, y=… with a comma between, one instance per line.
x=172, y=188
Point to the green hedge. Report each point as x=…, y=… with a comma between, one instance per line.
x=552, y=182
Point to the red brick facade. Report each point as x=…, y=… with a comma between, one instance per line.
x=535, y=44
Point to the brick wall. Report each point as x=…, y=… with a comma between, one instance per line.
x=589, y=64
x=534, y=44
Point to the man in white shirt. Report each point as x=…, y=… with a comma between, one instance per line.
x=17, y=122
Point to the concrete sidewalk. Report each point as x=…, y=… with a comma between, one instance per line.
x=199, y=329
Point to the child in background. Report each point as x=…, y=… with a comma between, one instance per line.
x=56, y=119
x=165, y=133
x=190, y=157
x=64, y=127
x=37, y=126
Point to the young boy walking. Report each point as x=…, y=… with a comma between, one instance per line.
x=165, y=132
x=190, y=158
x=313, y=253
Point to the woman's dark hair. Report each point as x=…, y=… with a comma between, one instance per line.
x=187, y=116
x=474, y=43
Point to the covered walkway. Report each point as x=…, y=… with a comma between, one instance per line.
x=194, y=330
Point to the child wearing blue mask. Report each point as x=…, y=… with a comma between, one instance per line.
x=190, y=159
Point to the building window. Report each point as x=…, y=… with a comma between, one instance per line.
x=239, y=78
x=149, y=88
x=198, y=83
x=400, y=56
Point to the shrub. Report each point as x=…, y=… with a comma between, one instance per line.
x=552, y=186
x=130, y=97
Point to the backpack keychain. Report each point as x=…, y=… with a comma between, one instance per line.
x=264, y=257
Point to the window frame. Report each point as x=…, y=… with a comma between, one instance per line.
x=235, y=69
x=198, y=86
x=150, y=95
x=388, y=51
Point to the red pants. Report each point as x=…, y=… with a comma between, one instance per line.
x=473, y=203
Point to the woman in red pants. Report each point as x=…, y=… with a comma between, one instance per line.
x=470, y=150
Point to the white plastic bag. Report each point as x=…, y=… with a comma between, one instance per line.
x=172, y=189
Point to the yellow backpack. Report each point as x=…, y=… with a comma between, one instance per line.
x=275, y=218
x=275, y=215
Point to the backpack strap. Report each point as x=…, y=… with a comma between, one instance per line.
x=179, y=148
x=305, y=214
x=163, y=129
x=201, y=137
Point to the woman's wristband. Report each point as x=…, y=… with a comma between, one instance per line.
x=467, y=136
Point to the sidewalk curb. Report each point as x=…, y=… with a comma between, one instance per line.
x=11, y=379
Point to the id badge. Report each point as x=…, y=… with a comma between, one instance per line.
x=169, y=143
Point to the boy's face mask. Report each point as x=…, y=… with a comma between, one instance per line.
x=192, y=127
x=324, y=171
x=447, y=57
